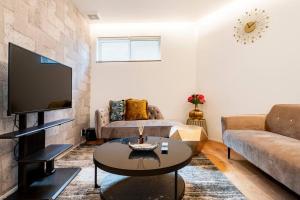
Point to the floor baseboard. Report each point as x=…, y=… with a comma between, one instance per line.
x=9, y=192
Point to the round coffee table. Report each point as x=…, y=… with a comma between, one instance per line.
x=141, y=175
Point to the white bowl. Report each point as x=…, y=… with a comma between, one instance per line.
x=143, y=147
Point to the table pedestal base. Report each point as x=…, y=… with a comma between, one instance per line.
x=115, y=187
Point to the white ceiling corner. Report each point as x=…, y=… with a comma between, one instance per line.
x=142, y=11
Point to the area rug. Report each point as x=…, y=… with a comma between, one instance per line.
x=203, y=180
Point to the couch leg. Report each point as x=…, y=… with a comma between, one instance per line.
x=228, y=153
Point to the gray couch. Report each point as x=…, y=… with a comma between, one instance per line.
x=154, y=126
x=271, y=142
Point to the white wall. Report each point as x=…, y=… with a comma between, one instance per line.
x=236, y=78
x=240, y=79
x=165, y=84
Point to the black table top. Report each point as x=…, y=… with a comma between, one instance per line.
x=116, y=157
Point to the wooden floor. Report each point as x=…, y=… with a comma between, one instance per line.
x=252, y=182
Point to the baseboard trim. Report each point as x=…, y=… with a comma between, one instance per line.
x=9, y=192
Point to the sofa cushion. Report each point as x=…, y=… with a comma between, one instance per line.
x=154, y=112
x=136, y=109
x=285, y=120
x=122, y=129
x=277, y=155
x=117, y=110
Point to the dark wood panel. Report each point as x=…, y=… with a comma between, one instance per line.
x=29, y=172
x=48, y=187
x=47, y=154
x=114, y=187
x=35, y=129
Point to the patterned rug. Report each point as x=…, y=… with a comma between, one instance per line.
x=203, y=180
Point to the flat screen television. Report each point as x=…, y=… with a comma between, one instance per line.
x=36, y=83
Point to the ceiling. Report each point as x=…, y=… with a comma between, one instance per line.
x=132, y=11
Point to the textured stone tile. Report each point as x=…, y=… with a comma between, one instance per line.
x=3, y=70
x=44, y=39
x=9, y=178
x=69, y=35
x=60, y=9
x=32, y=3
x=55, y=29
x=6, y=147
x=5, y=92
x=8, y=159
x=68, y=19
x=9, y=4
x=8, y=18
x=46, y=51
x=50, y=29
x=21, y=21
x=1, y=24
x=59, y=50
x=14, y=36
x=23, y=41
x=58, y=23
x=3, y=56
x=8, y=120
x=34, y=16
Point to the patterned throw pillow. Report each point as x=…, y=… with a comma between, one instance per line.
x=117, y=110
x=136, y=109
x=154, y=112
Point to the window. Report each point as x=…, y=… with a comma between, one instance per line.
x=128, y=49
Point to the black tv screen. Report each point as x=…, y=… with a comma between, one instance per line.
x=36, y=83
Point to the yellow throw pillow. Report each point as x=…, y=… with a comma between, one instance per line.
x=136, y=109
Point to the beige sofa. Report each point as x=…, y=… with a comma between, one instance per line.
x=154, y=126
x=271, y=142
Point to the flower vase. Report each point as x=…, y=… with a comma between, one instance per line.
x=196, y=113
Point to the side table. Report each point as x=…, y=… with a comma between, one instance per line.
x=193, y=136
x=197, y=122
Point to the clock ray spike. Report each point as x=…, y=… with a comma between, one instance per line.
x=251, y=25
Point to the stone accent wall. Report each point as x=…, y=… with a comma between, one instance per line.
x=56, y=29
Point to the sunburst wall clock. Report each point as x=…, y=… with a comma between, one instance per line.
x=251, y=26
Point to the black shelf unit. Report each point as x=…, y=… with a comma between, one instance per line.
x=47, y=154
x=48, y=187
x=37, y=177
x=33, y=130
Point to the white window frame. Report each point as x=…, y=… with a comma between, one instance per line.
x=132, y=38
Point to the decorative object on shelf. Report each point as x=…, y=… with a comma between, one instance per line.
x=196, y=99
x=197, y=122
x=140, y=126
x=250, y=27
x=143, y=147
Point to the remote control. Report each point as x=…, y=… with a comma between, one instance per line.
x=164, y=147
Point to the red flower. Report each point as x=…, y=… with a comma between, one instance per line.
x=196, y=99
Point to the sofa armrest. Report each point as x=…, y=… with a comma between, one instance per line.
x=101, y=120
x=243, y=122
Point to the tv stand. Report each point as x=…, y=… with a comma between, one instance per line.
x=37, y=177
